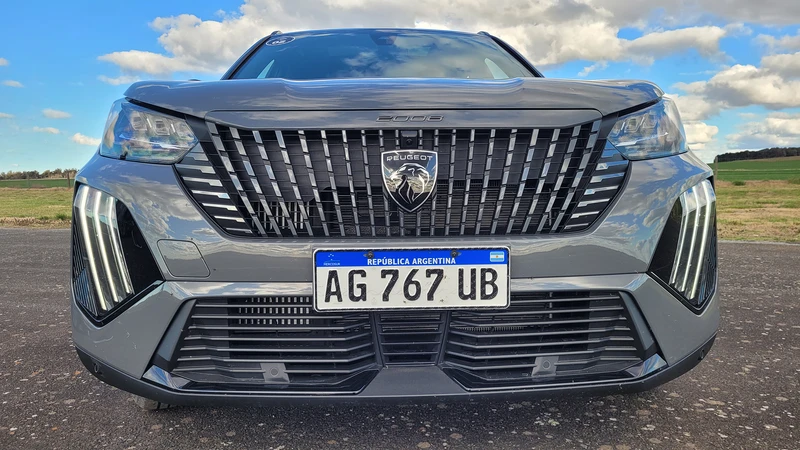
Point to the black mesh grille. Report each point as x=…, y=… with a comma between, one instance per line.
x=541, y=338
x=304, y=183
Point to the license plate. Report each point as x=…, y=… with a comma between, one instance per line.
x=384, y=279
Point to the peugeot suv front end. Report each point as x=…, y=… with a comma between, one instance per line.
x=373, y=213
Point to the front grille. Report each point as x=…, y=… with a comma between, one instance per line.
x=282, y=344
x=276, y=343
x=328, y=183
x=542, y=338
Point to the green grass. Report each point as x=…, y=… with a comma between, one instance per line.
x=44, y=183
x=35, y=206
x=758, y=211
x=760, y=169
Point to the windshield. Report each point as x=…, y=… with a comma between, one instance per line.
x=381, y=54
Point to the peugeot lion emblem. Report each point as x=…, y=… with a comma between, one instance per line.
x=409, y=176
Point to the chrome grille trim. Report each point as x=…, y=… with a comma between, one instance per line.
x=346, y=147
x=222, y=152
x=262, y=200
x=450, y=182
x=369, y=185
x=332, y=179
x=295, y=183
x=293, y=180
x=512, y=142
x=486, y=173
x=313, y=180
x=274, y=183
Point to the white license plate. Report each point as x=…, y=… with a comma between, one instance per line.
x=411, y=279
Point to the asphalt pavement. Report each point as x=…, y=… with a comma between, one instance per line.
x=744, y=395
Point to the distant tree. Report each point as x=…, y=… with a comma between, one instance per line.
x=759, y=154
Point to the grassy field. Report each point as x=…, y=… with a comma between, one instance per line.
x=760, y=169
x=44, y=183
x=759, y=211
x=50, y=207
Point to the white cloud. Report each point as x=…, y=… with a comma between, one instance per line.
x=3, y=62
x=49, y=130
x=784, y=43
x=765, y=12
x=745, y=85
x=55, y=114
x=589, y=69
x=786, y=65
x=696, y=107
x=774, y=84
x=659, y=44
x=775, y=130
x=549, y=32
x=6, y=115
x=116, y=81
x=12, y=83
x=85, y=140
x=698, y=134
x=148, y=62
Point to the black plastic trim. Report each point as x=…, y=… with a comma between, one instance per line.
x=145, y=389
x=514, y=53
x=245, y=56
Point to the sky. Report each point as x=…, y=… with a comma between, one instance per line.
x=732, y=65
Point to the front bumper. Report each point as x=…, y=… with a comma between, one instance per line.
x=398, y=384
x=200, y=262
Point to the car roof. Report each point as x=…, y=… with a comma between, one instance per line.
x=385, y=30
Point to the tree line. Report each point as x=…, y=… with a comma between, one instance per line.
x=759, y=154
x=36, y=175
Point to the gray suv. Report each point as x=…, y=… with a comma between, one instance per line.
x=388, y=213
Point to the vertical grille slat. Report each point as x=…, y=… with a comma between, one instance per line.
x=332, y=180
x=329, y=183
x=262, y=200
x=224, y=155
x=295, y=188
x=313, y=180
x=368, y=183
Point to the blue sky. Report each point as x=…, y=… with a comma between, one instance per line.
x=734, y=65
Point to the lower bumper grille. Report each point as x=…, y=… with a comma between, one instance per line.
x=275, y=342
x=543, y=337
x=410, y=338
x=282, y=344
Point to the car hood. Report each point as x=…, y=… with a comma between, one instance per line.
x=198, y=98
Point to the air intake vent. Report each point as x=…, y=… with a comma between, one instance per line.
x=411, y=338
x=276, y=343
x=686, y=256
x=543, y=338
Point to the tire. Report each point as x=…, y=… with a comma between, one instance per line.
x=149, y=405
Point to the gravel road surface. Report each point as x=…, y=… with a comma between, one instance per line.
x=744, y=395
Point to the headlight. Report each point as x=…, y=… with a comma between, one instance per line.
x=135, y=133
x=650, y=133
